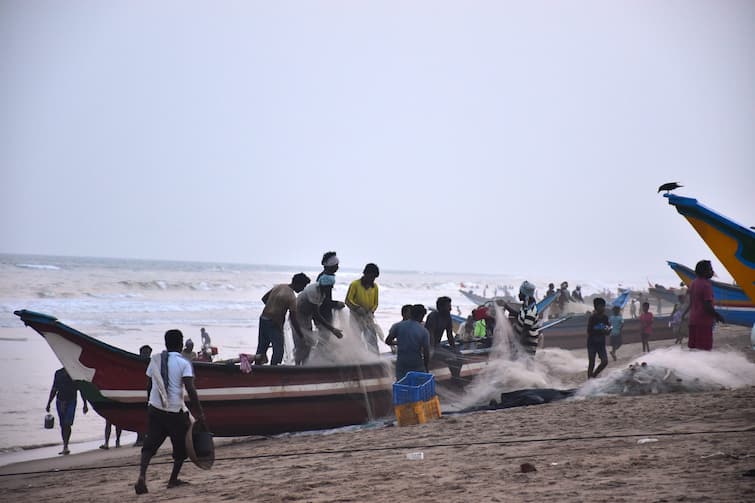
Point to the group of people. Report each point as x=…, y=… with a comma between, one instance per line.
x=564, y=296
x=310, y=310
x=170, y=372
x=417, y=342
x=696, y=309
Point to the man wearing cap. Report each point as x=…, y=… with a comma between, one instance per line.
x=527, y=323
x=329, y=266
x=308, y=310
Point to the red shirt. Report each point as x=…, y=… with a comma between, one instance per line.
x=646, y=323
x=700, y=292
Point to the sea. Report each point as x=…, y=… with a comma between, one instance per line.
x=129, y=302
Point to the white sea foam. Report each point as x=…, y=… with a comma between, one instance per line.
x=675, y=369
x=47, y=267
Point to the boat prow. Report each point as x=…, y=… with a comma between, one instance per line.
x=732, y=243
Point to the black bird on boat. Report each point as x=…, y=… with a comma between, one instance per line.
x=668, y=187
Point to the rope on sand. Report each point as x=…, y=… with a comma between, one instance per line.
x=407, y=447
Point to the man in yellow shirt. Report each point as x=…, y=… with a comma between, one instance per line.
x=362, y=300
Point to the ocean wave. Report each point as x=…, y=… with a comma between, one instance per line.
x=159, y=284
x=48, y=267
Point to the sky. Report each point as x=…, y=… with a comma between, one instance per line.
x=492, y=137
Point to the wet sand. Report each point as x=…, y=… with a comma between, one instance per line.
x=670, y=447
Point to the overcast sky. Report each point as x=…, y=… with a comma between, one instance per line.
x=494, y=137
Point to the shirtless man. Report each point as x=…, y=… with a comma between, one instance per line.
x=279, y=300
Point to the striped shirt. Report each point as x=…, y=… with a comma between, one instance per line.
x=527, y=328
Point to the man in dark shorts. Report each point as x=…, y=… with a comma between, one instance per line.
x=168, y=374
x=597, y=329
x=65, y=389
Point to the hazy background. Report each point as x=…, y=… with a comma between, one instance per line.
x=500, y=137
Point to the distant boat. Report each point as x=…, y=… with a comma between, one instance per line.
x=731, y=301
x=479, y=300
x=732, y=243
x=663, y=293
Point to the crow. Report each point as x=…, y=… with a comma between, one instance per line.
x=668, y=187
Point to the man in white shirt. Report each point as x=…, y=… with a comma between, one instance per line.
x=168, y=374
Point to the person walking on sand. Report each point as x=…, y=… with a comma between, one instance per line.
x=702, y=314
x=108, y=430
x=413, y=343
x=144, y=352
x=168, y=373
x=646, y=326
x=64, y=391
x=617, y=323
x=362, y=300
x=307, y=311
x=279, y=300
x=633, y=308
x=597, y=329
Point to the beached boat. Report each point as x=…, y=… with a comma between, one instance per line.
x=732, y=243
x=665, y=294
x=572, y=332
x=269, y=400
x=730, y=300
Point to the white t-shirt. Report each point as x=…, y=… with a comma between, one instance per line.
x=178, y=368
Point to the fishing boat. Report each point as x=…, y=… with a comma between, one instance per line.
x=268, y=400
x=732, y=243
x=660, y=292
x=730, y=300
x=571, y=333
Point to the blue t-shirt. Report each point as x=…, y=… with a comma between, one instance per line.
x=411, y=337
x=616, y=322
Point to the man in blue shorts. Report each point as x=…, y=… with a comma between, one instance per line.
x=65, y=389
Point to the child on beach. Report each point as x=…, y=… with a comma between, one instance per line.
x=677, y=323
x=646, y=326
x=597, y=329
x=617, y=323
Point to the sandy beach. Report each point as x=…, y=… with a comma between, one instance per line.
x=662, y=447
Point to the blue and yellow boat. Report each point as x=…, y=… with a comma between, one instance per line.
x=732, y=243
x=731, y=301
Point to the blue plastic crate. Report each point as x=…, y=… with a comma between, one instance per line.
x=414, y=387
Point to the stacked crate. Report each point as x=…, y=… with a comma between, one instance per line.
x=414, y=399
